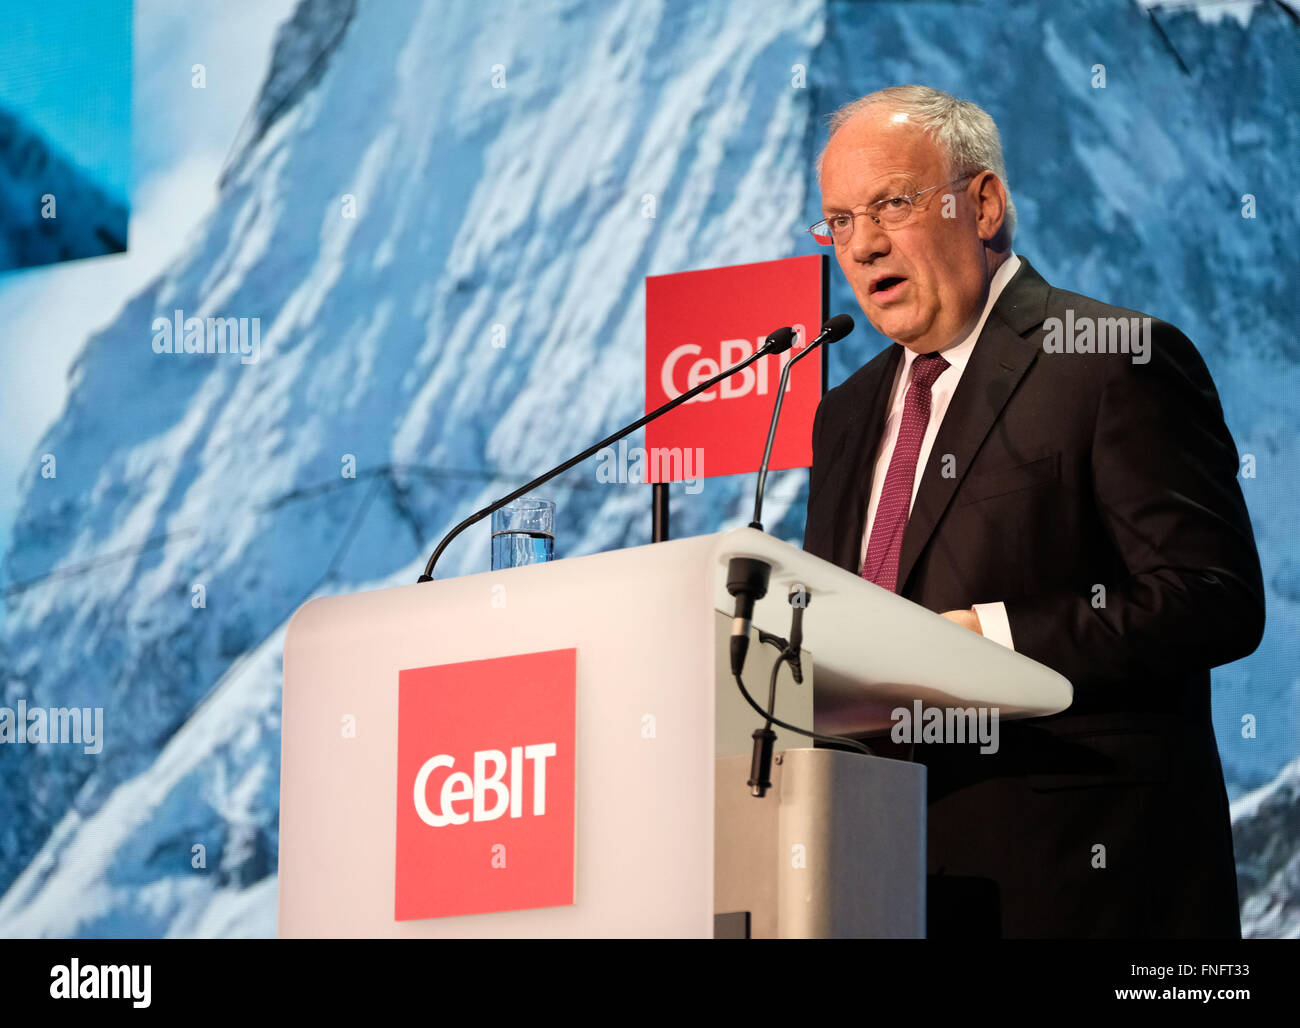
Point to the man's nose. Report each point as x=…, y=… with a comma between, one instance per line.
x=869, y=240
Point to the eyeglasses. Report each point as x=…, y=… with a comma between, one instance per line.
x=891, y=212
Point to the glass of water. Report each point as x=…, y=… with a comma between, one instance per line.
x=523, y=532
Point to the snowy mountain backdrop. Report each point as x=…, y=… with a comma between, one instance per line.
x=415, y=174
x=92, y=221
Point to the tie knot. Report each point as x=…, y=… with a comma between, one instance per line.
x=927, y=368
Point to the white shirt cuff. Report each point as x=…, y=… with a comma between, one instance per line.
x=994, y=623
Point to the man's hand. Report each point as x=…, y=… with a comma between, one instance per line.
x=965, y=618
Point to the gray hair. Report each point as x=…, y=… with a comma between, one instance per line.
x=966, y=133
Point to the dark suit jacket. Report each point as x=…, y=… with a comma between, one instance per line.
x=1072, y=471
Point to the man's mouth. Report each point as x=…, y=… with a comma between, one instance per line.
x=887, y=288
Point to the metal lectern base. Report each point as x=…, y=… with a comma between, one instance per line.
x=835, y=850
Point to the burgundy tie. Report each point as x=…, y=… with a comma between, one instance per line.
x=886, y=542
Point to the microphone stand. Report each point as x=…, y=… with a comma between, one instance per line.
x=747, y=580
x=747, y=577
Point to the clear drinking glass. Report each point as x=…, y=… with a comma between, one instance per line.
x=523, y=532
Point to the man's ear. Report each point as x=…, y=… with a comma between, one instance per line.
x=990, y=197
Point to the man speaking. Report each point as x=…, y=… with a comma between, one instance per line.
x=1056, y=474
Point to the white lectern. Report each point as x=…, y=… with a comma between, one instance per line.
x=656, y=713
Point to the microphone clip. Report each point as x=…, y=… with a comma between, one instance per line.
x=799, y=598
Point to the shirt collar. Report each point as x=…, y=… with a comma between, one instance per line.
x=958, y=352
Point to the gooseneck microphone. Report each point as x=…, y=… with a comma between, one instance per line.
x=747, y=581
x=777, y=342
x=744, y=581
x=833, y=331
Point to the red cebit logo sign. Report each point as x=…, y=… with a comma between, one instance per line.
x=699, y=323
x=485, y=785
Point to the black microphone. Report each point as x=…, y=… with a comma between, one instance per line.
x=746, y=577
x=777, y=342
x=834, y=330
x=747, y=580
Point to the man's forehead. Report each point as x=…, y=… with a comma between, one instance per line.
x=874, y=149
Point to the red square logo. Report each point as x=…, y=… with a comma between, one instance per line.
x=485, y=785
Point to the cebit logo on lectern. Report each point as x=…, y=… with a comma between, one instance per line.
x=485, y=785
x=460, y=787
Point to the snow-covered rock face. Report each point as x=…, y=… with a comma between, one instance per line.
x=416, y=174
x=1265, y=830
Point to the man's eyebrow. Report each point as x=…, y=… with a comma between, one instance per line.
x=892, y=188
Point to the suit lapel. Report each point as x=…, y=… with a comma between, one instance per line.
x=997, y=363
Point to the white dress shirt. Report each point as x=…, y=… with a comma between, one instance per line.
x=993, y=615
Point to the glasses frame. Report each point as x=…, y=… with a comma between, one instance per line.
x=911, y=199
